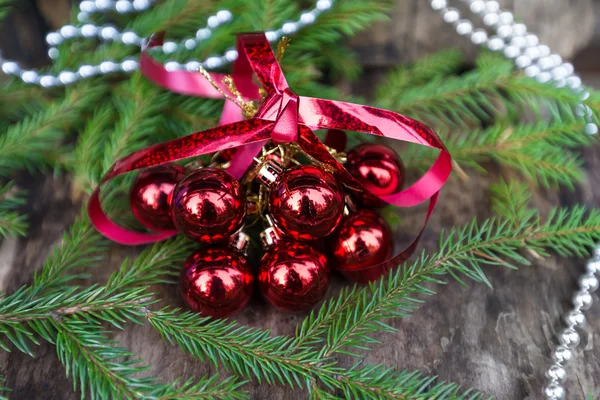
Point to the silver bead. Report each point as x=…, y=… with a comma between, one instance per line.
x=464, y=27
x=308, y=18
x=556, y=59
x=271, y=35
x=107, y=67
x=492, y=6
x=495, y=44
x=224, y=16
x=451, y=15
x=544, y=77
x=53, y=53
x=519, y=29
x=129, y=65
x=11, y=68
x=504, y=31
x=569, y=338
x=203, y=34
x=544, y=50
x=213, y=21
x=532, y=71
x=588, y=282
x=123, y=7
x=69, y=31
x=518, y=41
x=553, y=392
x=169, y=47
x=591, y=129
x=582, y=300
x=490, y=19
x=83, y=17
x=560, y=82
x=213, y=62
x=67, y=77
x=479, y=36
x=583, y=96
x=477, y=7
x=323, y=5
x=546, y=63
x=531, y=40
x=89, y=30
x=532, y=52
x=87, y=6
x=593, y=266
x=192, y=66
x=505, y=18
x=438, y=4
x=562, y=355
x=29, y=76
x=231, y=55
x=559, y=72
x=130, y=38
x=54, y=39
x=48, y=81
x=289, y=27
x=523, y=62
x=511, y=52
x=569, y=68
x=556, y=373
x=172, y=66
x=109, y=33
x=190, y=44
x=86, y=71
x=103, y=4
x=141, y=5
x=575, y=319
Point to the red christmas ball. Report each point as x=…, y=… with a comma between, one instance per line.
x=306, y=203
x=293, y=276
x=209, y=205
x=362, y=241
x=150, y=196
x=216, y=281
x=378, y=168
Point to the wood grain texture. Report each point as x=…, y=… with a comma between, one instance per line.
x=496, y=340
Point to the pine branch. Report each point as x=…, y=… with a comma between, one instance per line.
x=543, y=152
x=349, y=320
x=11, y=222
x=28, y=143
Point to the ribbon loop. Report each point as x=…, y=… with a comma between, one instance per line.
x=285, y=129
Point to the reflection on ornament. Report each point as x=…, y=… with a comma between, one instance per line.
x=378, y=168
x=150, y=196
x=209, y=205
x=293, y=276
x=362, y=241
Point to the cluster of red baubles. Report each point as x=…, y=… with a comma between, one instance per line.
x=310, y=228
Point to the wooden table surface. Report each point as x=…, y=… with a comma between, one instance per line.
x=495, y=340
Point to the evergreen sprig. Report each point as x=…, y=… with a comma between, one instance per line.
x=12, y=223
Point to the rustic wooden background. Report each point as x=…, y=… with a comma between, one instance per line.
x=497, y=341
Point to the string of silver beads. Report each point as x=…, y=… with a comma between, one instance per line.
x=538, y=62
x=130, y=64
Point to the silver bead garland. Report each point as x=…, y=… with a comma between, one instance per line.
x=111, y=34
x=537, y=61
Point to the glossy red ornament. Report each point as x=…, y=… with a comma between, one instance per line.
x=293, y=276
x=209, y=205
x=378, y=168
x=306, y=203
x=362, y=241
x=150, y=196
x=216, y=281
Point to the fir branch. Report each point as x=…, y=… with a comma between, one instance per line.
x=434, y=66
x=28, y=143
x=462, y=252
x=510, y=200
x=11, y=222
x=3, y=389
x=543, y=152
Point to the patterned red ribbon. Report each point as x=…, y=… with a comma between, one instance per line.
x=283, y=117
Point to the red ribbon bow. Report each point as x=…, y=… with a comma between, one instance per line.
x=283, y=117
